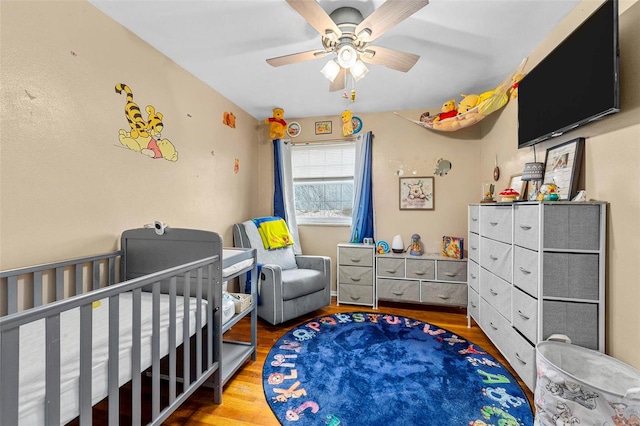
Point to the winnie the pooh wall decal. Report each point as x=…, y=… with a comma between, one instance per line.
x=144, y=136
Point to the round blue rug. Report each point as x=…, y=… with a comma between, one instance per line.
x=377, y=369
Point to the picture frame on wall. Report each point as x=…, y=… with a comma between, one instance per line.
x=562, y=166
x=417, y=193
x=323, y=127
x=519, y=185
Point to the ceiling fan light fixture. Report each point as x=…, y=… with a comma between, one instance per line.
x=331, y=70
x=358, y=70
x=347, y=56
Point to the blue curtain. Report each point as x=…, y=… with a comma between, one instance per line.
x=283, y=193
x=278, y=194
x=363, y=220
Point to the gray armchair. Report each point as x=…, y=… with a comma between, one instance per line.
x=290, y=285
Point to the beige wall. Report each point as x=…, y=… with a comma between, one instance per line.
x=68, y=187
x=612, y=157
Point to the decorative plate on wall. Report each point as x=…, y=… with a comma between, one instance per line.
x=356, y=123
x=294, y=129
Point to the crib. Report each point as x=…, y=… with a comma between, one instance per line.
x=147, y=312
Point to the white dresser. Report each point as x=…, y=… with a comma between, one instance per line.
x=355, y=274
x=537, y=269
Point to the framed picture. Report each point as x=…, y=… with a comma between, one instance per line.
x=323, y=127
x=293, y=129
x=562, y=166
x=519, y=185
x=416, y=193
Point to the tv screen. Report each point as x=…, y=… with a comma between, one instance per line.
x=575, y=84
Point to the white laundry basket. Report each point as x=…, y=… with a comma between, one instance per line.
x=580, y=386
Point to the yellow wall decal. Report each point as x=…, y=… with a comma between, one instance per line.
x=229, y=119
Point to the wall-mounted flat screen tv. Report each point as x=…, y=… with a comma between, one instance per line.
x=577, y=83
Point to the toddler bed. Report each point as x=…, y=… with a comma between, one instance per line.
x=57, y=359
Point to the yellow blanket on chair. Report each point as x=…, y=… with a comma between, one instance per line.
x=274, y=232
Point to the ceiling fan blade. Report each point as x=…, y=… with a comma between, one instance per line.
x=387, y=16
x=297, y=57
x=316, y=16
x=394, y=59
x=338, y=82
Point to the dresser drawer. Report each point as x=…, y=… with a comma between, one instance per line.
x=496, y=257
x=474, y=216
x=522, y=357
x=496, y=222
x=494, y=325
x=473, y=307
x=443, y=293
x=450, y=270
x=572, y=275
x=357, y=275
x=474, y=247
x=423, y=269
x=399, y=290
x=497, y=292
x=355, y=256
x=390, y=267
x=524, y=314
x=349, y=293
x=525, y=270
x=474, y=276
x=575, y=227
x=579, y=321
x=527, y=226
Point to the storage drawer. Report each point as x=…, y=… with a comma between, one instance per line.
x=390, y=267
x=494, y=325
x=497, y=292
x=571, y=275
x=443, y=293
x=421, y=268
x=496, y=257
x=474, y=216
x=474, y=247
x=450, y=270
x=473, y=307
x=522, y=357
x=579, y=321
x=525, y=270
x=524, y=314
x=349, y=293
x=357, y=275
x=474, y=276
x=355, y=256
x=496, y=222
x=574, y=227
x=399, y=290
x=527, y=226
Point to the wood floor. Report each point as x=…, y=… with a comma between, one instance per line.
x=243, y=400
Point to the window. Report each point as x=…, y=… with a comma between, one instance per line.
x=323, y=182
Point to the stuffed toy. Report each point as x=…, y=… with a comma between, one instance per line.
x=468, y=103
x=277, y=125
x=448, y=110
x=514, y=87
x=347, y=124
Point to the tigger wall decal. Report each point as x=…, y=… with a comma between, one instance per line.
x=144, y=136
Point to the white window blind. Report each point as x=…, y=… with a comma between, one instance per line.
x=312, y=161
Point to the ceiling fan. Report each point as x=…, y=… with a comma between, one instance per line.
x=347, y=34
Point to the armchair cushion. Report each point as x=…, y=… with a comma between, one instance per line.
x=284, y=257
x=300, y=282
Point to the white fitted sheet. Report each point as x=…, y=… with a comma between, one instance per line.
x=236, y=267
x=32, y=353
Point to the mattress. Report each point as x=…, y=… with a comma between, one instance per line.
x=32, y=353
x=227, y=255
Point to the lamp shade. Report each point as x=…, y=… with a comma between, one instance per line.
x=533, y=171
x=331, y=70
x=397, y=246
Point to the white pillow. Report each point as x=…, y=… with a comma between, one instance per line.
x=285, y=257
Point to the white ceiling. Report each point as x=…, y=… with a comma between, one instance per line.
x=465, y=46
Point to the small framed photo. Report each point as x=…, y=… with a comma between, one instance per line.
x=293, y=129
x=453, y=247
x=562, y=166
x=416, y=193
x=519, y=185
x=323, y=127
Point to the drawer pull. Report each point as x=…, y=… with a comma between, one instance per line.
x=525, y=228
x=493, y=326
x=355, y=297
x=520, y=359
x=474, y=248
x=443, y=297
x=473, y=277
x=356, y=260
x=356, y=279
x=473, y=305
x=474, y=219
x=492, y=257
x=450, y=274
x=493, y=292
x=396, y=293
x=391, y=271
x=524, y=271
x=493, y=223
x=420, y=273
x=522, y=315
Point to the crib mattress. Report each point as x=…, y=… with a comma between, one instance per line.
x=227, y=255
x=32, y=353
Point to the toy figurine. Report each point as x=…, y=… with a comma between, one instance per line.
x=416, y=249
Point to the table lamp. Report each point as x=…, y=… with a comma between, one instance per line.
x=533, y=172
